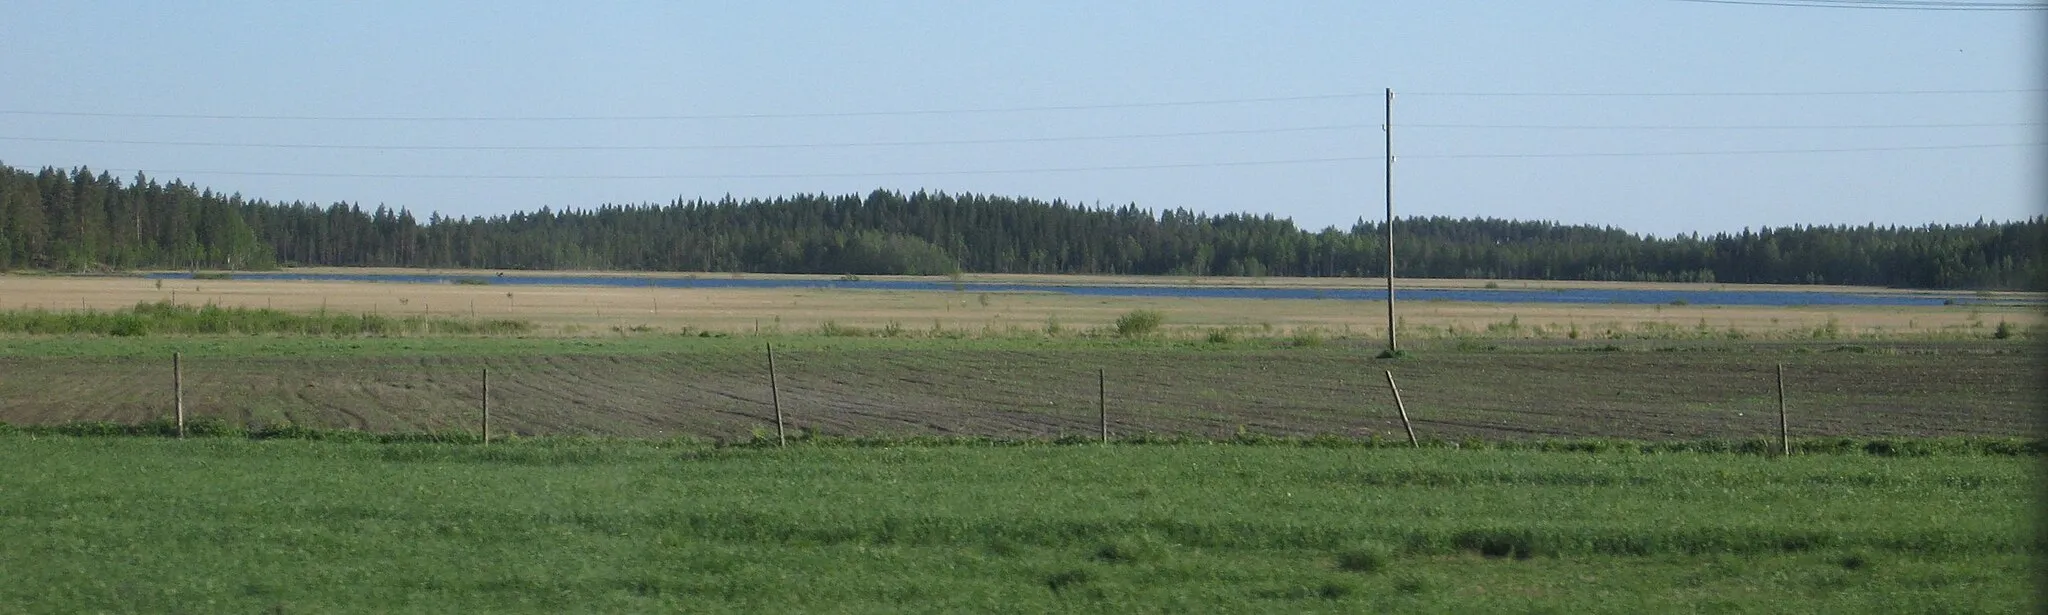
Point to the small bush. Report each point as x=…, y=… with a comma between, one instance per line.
x=1220, y=336
x=2004, y=331
x=1139, y=323
x=471, y=282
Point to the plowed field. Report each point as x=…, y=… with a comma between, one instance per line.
x=718, y=388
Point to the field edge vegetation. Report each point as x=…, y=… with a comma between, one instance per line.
x=215, y=428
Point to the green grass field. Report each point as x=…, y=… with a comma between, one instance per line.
x=235, y=525
x=944, y=469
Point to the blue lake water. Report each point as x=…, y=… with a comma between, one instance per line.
x=1485, y=295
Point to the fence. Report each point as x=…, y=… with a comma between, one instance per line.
x=1052, y=393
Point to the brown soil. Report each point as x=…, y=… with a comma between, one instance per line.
x=1645, y=391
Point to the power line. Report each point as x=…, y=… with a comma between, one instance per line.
x=1723, y=127
x=1833, y=150
x=966, y=111
x=941, y=142
x=1728, y=94
x=772, y=175
x=742, y=146
x=1890, y=5
x=1075, y=169
x=728, y=116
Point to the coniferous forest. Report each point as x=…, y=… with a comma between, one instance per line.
x=77, y=220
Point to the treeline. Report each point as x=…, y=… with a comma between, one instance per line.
x=78, y=220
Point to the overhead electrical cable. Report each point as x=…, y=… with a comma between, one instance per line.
x=714, y=116
x=1824, y=150
x=1715, y=128
x=1889, y=5
x=991, y=141
x=1072, y=169
x=720, y=146
x=958, y=111
x=1727, y=94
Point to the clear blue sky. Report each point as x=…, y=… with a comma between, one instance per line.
x=812, y=59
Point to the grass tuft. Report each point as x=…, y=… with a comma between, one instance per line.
x=1365, y=558
x=1067, y=579
x=1130, y=550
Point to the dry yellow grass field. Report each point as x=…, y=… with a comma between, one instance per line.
x=589, y=309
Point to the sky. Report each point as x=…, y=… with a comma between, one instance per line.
x=1656, y=116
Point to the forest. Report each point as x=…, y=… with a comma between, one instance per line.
x=77, y=220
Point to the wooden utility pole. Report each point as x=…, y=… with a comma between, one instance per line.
x=1393, y=343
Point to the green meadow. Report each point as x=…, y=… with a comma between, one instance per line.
x=135, y=524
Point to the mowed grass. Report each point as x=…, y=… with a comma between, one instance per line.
x=230, y=525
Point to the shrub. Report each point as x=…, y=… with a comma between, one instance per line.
x=1220, y=336
x=1139, y=323
x=2004, y=331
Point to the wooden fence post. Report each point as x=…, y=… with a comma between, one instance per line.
x=1102, y=400
x=486, y=399
x=178, y=389
x=1404, y=410
x=775, y=398
x=1784, y=425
